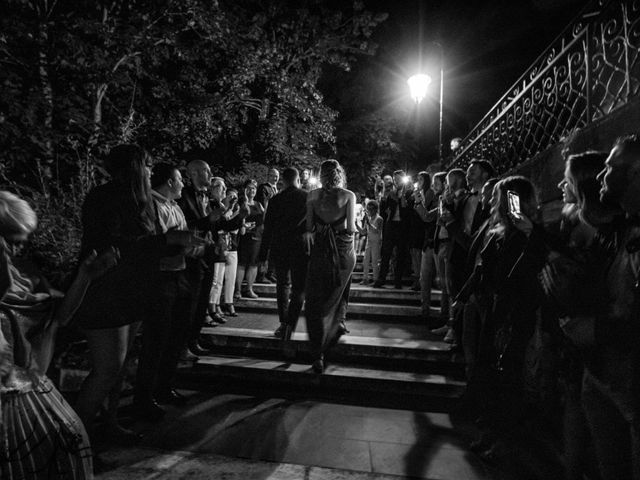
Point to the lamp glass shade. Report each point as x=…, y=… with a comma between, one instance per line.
x=418, y=86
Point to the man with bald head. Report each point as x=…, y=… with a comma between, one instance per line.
x=195, y=204
x=267, y=191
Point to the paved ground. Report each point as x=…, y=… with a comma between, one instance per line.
x=231, y=436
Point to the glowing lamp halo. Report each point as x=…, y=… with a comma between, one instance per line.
x=418, y=85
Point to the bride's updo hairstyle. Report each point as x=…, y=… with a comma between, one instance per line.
x=331, y=174
x=16, y=215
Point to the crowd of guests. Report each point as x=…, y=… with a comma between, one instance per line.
x=538, y=313
x=547, y=318
x=167, y=257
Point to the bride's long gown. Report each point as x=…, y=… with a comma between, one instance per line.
x=329, y=278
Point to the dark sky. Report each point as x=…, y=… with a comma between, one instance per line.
x=487, y=46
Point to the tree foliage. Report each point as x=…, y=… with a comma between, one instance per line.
x=233, y=81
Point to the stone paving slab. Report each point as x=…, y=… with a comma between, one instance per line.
x=245, y=437
x=155, y=464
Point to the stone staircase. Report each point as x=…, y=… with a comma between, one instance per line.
x=389, y=358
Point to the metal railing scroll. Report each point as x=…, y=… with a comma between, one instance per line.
x=589, y=71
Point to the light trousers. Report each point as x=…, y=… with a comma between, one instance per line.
x=372, y=257
x=427, y=266
x=230, y=272
x=218, y=278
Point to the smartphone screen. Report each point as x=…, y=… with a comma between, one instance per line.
x=514, y=202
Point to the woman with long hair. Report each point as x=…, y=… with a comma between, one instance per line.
x=585, y=218
x=40, y=435
x=511, y=259
x=331, y=224
x=120, y=214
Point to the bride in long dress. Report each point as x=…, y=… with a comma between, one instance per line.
x=330, y=224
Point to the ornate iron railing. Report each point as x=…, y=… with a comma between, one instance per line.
x=590, y=70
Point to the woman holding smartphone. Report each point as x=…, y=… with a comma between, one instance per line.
x=511, y=260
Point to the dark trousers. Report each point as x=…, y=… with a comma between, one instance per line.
x=200, y=280
x=164, y=333
x=394, y=236
x=615, y=427
x=291, y=275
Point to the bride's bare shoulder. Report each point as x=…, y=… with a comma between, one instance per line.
x=346, y=193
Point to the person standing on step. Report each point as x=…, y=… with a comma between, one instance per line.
x=372, y=229
x=200, y=218
x=395, y=209
x=283, y=244
x=249, y=245
x=165, y=331
x=231, y=257
x=417, y=229
x=266, y=191
x=448, y=207
x=462, y=227
x=425, y=205
x=221, y=240
x=330, y=227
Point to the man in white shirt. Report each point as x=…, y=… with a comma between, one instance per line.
x=165, y=330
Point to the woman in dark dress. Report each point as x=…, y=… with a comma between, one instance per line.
x=40, y=435
x=120, y=214
x=331, y=224
x=250, y=240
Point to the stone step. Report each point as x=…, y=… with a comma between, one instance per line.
x=355, y=310
x=357, y=277
x=421, y=355
x=340, y=382
x=366, y=294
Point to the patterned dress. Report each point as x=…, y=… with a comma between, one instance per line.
x=41, y=437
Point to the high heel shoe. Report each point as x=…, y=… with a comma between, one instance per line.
x=318, y=365
x=216, y=318
x=229, y=309
x=342, y=329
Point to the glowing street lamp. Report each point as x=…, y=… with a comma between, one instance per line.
x=418, y=85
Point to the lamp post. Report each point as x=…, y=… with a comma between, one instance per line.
x=418, y=86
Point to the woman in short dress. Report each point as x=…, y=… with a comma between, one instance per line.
x=250, y=241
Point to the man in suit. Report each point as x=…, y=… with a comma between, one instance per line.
x=200, y=217
x=462, y=224
x=282, y=243
x=396, y=210
x=266, y=191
